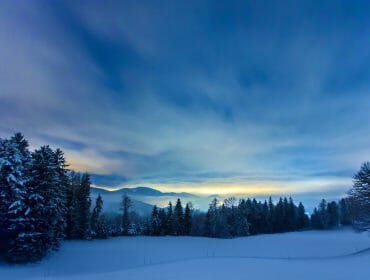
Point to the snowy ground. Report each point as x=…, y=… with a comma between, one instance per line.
x=315, y=255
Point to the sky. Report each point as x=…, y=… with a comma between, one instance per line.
x=227, y=97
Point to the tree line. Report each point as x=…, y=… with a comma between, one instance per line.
x=233, y=218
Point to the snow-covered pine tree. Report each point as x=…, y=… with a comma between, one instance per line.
x=47, y=196
x=96, y=215
x=101, y=228
x=60, y=197
x=360, y=198
x=83, y=207
x=74, y=183
x=14, y=211
x=126, y=205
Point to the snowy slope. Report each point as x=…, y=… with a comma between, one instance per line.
x=305, y=255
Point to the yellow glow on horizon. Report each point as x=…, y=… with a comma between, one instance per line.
x=241, y=188
x=227, y=189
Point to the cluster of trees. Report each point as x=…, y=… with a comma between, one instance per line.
x=230, y=219
x=42, y=202
x=332, y=214
x=169, y=221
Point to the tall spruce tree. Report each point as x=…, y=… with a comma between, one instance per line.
x=302, y=218
x=83, y=206
x=187, y=220
x=345, y=212
x=15, y=222
x=47, y=198
x=126, y=222
x=154, y=222
x=178, y=218
x=96, y=216
x=74, y=183
x=333, y=214
x=170, y=228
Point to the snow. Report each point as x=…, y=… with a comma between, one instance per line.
x=340, y=254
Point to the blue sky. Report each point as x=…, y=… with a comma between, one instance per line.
x=247, y=97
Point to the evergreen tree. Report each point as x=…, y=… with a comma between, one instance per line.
x=154, y=222
x=102, y=228
x=47, y=197
x=210, y=219
x=170, y=230
x=178, y=218
x=15, y=223
x=320, y=217
x=345, y=212
x=333, y=214
x=271, y=215
x=360, y=198
x=302, y=219
x=315, y=219
x=60, y=197
x=162, y=219
x=96, y=216
x=126, y=205
x=83, y=206
x=242, y=224
x=187, y=220
x=72, y=228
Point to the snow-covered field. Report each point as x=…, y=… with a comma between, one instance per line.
x=326, y=255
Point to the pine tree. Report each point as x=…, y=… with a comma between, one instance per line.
x=271, y=215
x=154, y=222
x=360, y=198
x=96, y=216
x=101, y=228
x=345, y=212
x=83, y=207
x=302, y=218
x=162, y=219
x=170, y=220
x=333, y=214
x=320, y=217
x=15, y=223
x=47, y=197
x=210, y=220
x=242, y=227
x=60, y=197
x=72, y=228
x=126, y=205
x=187, y=220
x=178, y=218
x=315, y=219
